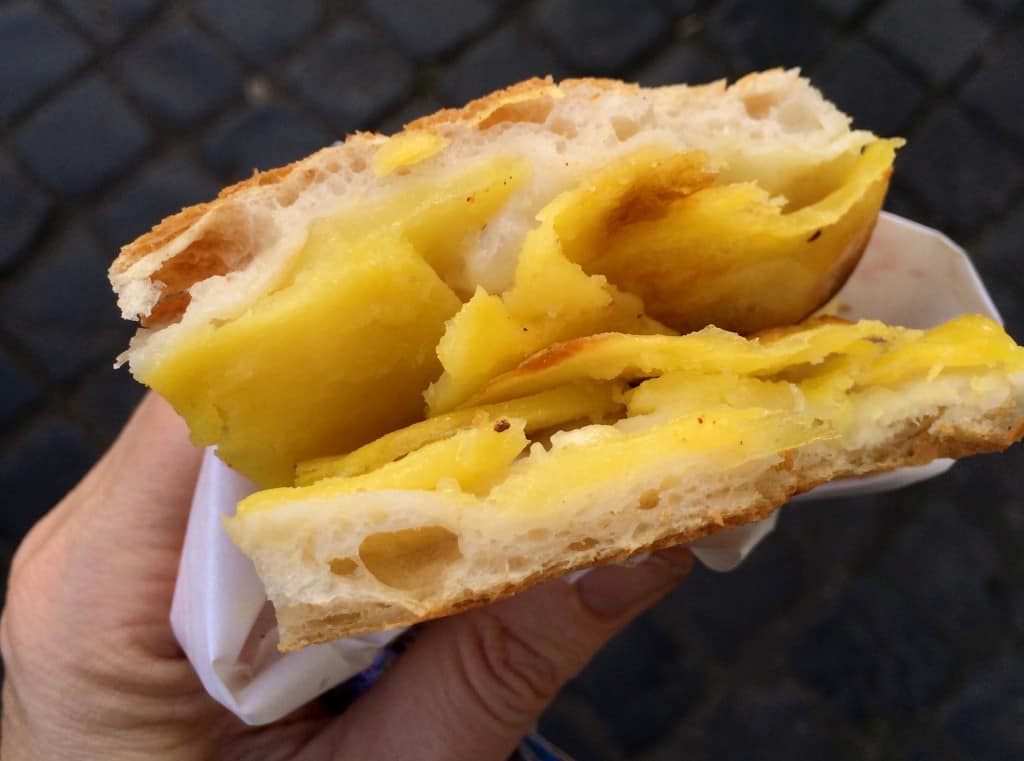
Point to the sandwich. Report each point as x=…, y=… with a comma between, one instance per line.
x=564, y=325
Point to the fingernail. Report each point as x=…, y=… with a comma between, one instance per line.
x=613, y=591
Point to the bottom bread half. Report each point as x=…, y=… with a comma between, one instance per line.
x=375, y=560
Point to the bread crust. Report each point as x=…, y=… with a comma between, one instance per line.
x=919, y=442
x=177, y=224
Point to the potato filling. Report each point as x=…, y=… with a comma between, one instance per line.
x=710, y=394
x=368, y=320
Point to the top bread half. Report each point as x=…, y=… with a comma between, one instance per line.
x=773, y=129
x=306, y=310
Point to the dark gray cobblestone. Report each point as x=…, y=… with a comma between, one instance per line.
x=723, y=610
x=45, y=49
x=105, y=398
x=108, y=21
x=640, y=688
x=47, y=459
x=998, y=9
x=510, y=54
x=163, y=187
x=411, y=111
x=960, y=595
x=998, y=253
x=937, y=39
x=83, y=138
x=59, y=307
x=900, y=201
x=995, y=88
x=888, y=627
x=572, y=723
x=23, y=209
x=352, y=76
x=681, y=62
x=811, y=526
x=986, y=720
x=262, y=137
x=772, y=721
x=260, y=30
x=178, y=74
x=961, y=172
x=922, y=746
x=874, y=91
x=19, y=390
x=999, y=511
x=872, y=656
x=844, y=9
x=446, y=25
x=680, y=8
x=600, y=36
x=754, y=36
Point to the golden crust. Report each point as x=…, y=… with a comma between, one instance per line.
x=920, y=442
x=173, y=226
x=489, y=102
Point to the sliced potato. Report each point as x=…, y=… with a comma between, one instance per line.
x=965, y=341
x=733, y=256
x=651, y=244
x=584, y=401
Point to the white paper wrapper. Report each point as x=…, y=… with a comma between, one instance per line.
x=910, y=275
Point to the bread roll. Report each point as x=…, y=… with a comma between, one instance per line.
x=453, y=357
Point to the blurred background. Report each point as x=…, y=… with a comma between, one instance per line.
x=877, y=628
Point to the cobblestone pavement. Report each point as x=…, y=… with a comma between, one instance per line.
x=887, y=627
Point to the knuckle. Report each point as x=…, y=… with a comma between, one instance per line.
x=14, y=645
x=32, y=597
x=6, y=651
x=509, y=676
x=35, y=541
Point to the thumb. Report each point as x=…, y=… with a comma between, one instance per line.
x=472, y=685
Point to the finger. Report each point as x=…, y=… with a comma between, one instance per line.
x=472, y=685
x=152, y=467
x=133, y=526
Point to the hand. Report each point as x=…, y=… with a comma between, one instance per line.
x=93, y=669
